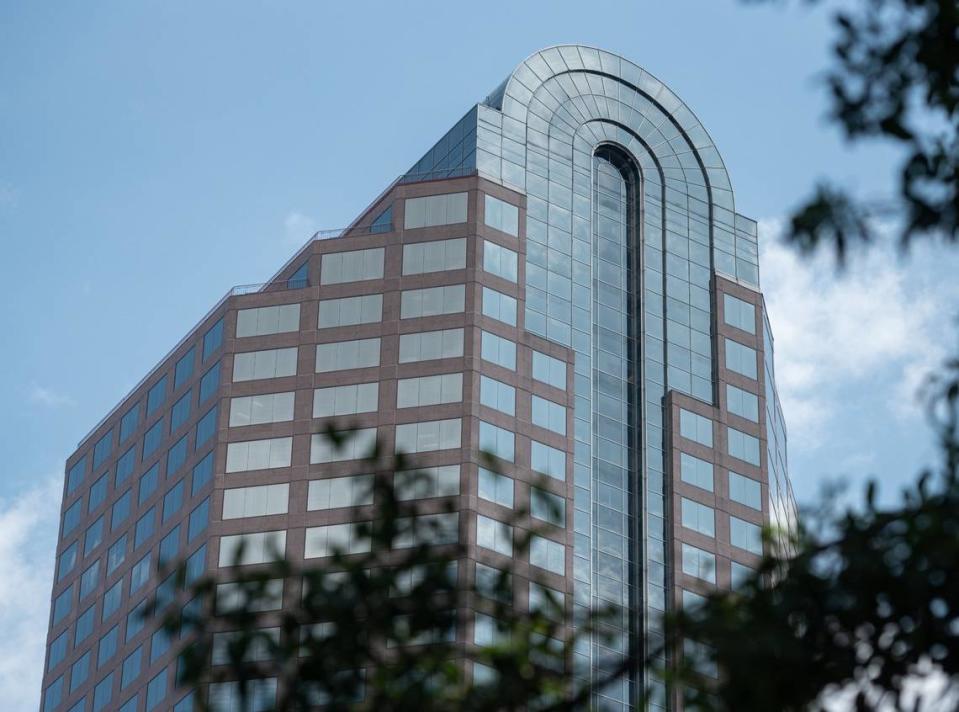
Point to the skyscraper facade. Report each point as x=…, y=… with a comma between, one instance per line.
x=562, y=281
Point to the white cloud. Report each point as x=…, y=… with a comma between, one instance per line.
x=48, y=397
x=298, y=227
x=831, y=330
x=28, y=534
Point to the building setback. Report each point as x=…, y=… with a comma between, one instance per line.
x=562, y=280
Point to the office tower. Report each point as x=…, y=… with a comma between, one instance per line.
x=562, y=280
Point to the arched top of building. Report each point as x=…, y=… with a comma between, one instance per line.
x=567, y=73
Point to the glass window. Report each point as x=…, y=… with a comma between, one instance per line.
x=494, y=535
x=62, y=605
x=349, y=311
x=125, y=466
x=300, y=278
x=58, y=650
x=68, y=559
x=547, y=554
x=152, y=439
x=497, y=395
x=139, y=575
x=257, y=548
x=695, y=427
x=199, y=518
x=265, y=408
x=180, y=413
x=740, y=359
x=260, y=501
x=343, y=538
x=155, y=396
x=129, y=422
x=745, y=491
x=195, y=565
x=131, y=667
x=205, y=428
x=434, y=256
x=172, y=501
x=210, y=382
x=116, y=554
x=357, y=445
x=429, y=390
x=169, y=546
x=184, y=368
x=121, y=510
x=696, y=472
x=102, y=694
x=496, y=441
x=498, y=350
x=280, y=319
x=176, y=456
x=80, y=671
x=549, y=415
x=54, y=695
x=351, y=266
x=547, y=507
x=499, y=260
x=549, y=370
x=103, y=448
x=156, y=691
x=93, y=537
x=145, y=528
x=501, y=215
x=213, y=339
x=345, y=400
x=427, y=482
x=430, y=345
x=383, y=221
x=111, y=601
x=428, y=435
x=108, y=645
x=698, y=517
x=743, y=446
x=75, y=474
x=337, y=492
x=148, y=483
x=493, y=583
x=698, y=563
x=434, y=210
x=745, y=535
x=98, y=492
x=739, y=574
x=340, y=355
x=499, y=306
x=202, y=473
x=85, y=622
x=136, y=619
x=432, y=301
x=258, y=454
x=271, y=363
x=495, y=487
x=547, y=460
x=71, y=517
x=742, y=403
x=738, y=313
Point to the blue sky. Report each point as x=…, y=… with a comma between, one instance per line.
x=153, y=154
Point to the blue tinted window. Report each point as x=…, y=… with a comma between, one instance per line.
x=159, y=644
x=71, y=517
x=184, y=705
x=130, y=705
x=131, y=667
x=102, y=693
x=116, y=554
x=75, y=474
x=165, y=593
x=198, y=520
x=58, y=651
x=121, y=510
x=79, y=672
x=68, y=559
x=195, y=565
x=84, y=626
x=156, y=396
x=98, y=493
x=152, y=439
x=156, y=691
x=146, y=525
x=202, y=473
x=79, y=706
x=102, y=450
x=54, y=695
x=148, y=482
x=93, y=536
x=300, y=278
x=108, y=645
x=212, y=339
x=129, y=422
x=205, y=427
x=62, y=605
x=170, y=546
x=172, y=501
x=111, y=599
x=125, y=466
x=136, y=618
x=180, y=412
x=184, y=368
x=383, y=221
x=210, y=382
x=176, y=456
